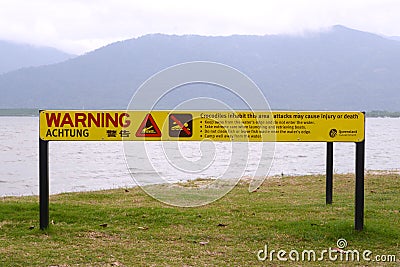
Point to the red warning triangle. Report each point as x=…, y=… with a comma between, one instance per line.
x=148, y=128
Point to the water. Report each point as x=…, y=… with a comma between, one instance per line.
x=81, y=166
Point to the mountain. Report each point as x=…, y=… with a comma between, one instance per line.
x=338, y=69
x=396, y=38
x=15, y=56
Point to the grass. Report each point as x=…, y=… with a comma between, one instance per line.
x=128, y=228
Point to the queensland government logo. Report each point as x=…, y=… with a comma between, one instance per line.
x=332, y=133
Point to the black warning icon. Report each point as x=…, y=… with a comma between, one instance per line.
x=180, y=125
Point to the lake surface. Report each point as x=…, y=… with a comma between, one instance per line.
x=82, y=166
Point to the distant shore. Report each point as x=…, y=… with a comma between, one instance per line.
x=19, y=112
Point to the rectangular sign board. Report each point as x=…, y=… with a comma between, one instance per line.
x=240, y=126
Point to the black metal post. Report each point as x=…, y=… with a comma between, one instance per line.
x=44, y=183
x=359, y=199
x=329, y=172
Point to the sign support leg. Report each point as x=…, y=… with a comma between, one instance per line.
x=359, y=199
x=329, y=172
x=44, y=183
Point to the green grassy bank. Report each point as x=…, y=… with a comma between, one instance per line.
x=128, y=228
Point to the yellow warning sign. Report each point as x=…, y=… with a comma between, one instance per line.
x=239, y=126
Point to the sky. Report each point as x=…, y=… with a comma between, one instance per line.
x=81, y=26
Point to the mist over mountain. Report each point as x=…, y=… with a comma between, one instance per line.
x=396, y=38
x=339, y=69
x=15, y=56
